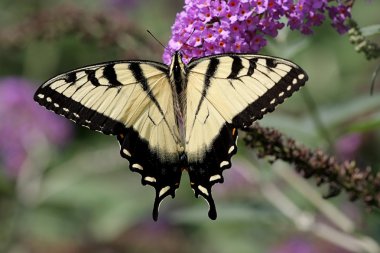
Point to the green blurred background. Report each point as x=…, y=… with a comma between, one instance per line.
x=66, y=189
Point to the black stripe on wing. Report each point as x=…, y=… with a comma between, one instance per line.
x=110, y=73
x=236, y=67
x=139, y=76
x=276, y=95
x=211, y=69
x=208, y=171
x=91, y=77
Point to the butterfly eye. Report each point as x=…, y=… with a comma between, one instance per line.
x=180, y=55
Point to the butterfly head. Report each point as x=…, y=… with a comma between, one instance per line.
x=177, y=59
x=177, y=69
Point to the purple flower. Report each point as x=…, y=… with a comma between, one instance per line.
x=23, y=123
x=219, y=8
x=204, y=14
x=349, y=145
x=260, y=6
x=220, y=26
x=339, y=14
x=257, y=42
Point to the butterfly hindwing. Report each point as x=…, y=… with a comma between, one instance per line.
x=164, y=176
x=204, y=173
x=225, y=92
x=132, y=100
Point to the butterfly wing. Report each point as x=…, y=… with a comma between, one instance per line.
x=226, y=92
x=132, y=100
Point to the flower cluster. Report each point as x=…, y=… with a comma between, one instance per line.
x=207, y=27
x=23, y=123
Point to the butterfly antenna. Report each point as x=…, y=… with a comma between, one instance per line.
x=185, y=43
x=191, y=34
x=159, y=42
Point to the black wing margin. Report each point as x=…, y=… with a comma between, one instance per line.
x=291, y=82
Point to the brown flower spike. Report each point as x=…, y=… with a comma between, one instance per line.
x=359, y=183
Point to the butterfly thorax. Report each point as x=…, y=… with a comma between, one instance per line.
x=177, y=75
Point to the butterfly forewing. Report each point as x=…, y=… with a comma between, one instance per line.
x=132, y=100
x=244, y=87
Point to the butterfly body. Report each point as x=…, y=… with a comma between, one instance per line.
x=177, y=76
x=168, y=119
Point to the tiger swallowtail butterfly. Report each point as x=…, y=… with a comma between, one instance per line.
x=178, y=117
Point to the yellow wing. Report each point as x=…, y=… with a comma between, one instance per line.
x=132, y=100
x=224, y=93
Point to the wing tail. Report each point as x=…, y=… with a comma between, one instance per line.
x=163, y=175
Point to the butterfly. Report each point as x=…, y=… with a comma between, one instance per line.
x=171, y=118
